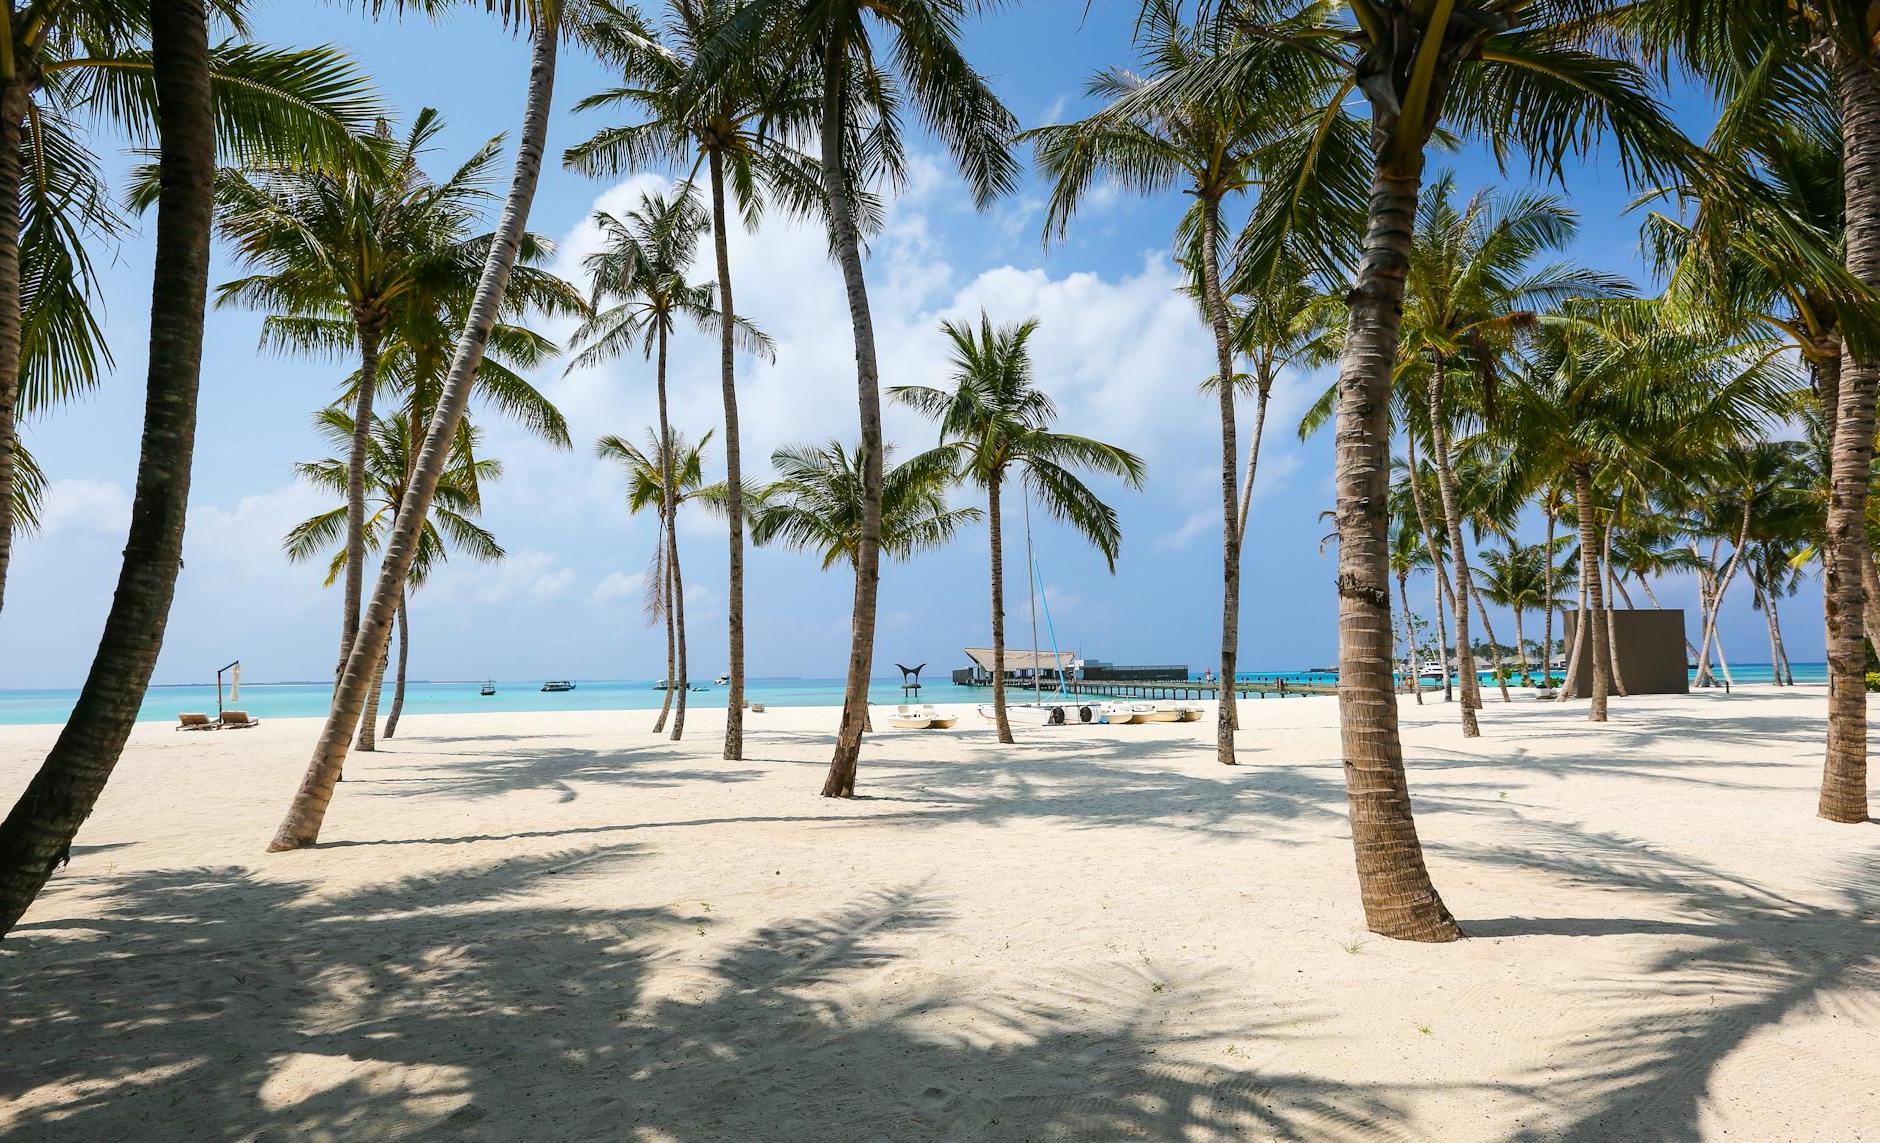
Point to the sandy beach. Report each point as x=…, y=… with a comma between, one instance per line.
x=558, y=926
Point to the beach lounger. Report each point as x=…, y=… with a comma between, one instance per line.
x=195, y=722
x=238, y=720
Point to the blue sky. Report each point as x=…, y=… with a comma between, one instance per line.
x=1118, y=350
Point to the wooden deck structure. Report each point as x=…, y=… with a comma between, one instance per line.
x=1195, y=689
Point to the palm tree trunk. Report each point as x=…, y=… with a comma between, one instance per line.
x=301, y=827
x=1436, y=562
x=669, y=524
x=1226, y=716
x=1775, y=645
x=14, y=98
x=1409, y=638
x=847, y=242
x=1458, y=555
x=1608, y=617
x=682, y=682
x=404, y=652
x=1579, y=633
x=1870, y=583
x=369, y=721
x=1844, y=769
x=1591, y=630
x=368, y=332
x=734, y=471
x=995, y=534
x=1488, y=632
x=665, y=614
x=1399, y=898
x=36, y=836
x=1782, y=651
x=1520, y=649
x=1547, y=604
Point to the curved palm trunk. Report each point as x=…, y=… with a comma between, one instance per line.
x=675, y=587
x=1520, y=649
x=1591, y=630
x=1226, y=716
x=995, y=534
x=1782, y=651
x=14, y=97
x=1870, y=583
x=404, y=652
x=356, y=490
x=1844, y=768
x=1607, y=617
x=1458, y=555
x=1573, y=656
x=1764, y=602
x=301, y=827
x=1399, y=898
x=37, y=835
x=847, y=242
x=1409, y=638
x=734, y=472
x=1443, y=595
x=681, y=682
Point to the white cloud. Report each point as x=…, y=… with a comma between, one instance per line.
x=1197, y=524
x=619, y=586
x=86, y=506
x=526, y=575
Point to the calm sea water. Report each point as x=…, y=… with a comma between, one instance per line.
x=309, y=700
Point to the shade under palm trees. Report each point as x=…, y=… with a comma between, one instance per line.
x=998, y=424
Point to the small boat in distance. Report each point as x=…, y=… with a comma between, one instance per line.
x=556, y=685
x=1432, y=669
x=488, y=688
x=722, y=680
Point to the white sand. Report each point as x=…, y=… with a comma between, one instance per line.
x=556, y=926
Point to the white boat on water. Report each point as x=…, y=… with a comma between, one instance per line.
x=722, y=680
x=920, y=716
x=1432, y=669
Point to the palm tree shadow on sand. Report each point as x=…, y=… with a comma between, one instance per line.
x=211, y=1003
x=1742, y=960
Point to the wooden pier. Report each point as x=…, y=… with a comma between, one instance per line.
x=1194, y=689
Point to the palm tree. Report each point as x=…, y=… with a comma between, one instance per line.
x=641, y=267
x=1520, y=73
x=815, y=503
x=1473, y=285
x=1516, y=577
x=37, y=834
x=301, y=827
x=389, y=462
x=1208, y=149
x=78, y=61
x=738, y=127
x=353, y=248
x=647, y=487
x=864, y=61
x=998, y=422
x=1405, y=550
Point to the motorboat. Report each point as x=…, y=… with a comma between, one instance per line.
x=920, y=716
x=488, y=688
x=1432, y=669
x=555, y=686
x=722, y=680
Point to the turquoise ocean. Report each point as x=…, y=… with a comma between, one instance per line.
x=309, y=700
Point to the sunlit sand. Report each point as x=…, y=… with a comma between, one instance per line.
x=555, y=926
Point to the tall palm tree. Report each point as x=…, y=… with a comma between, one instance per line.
x=647, y=487
x=640, y=269
x=37, y=834
x=739, y=127
x=815, y=503
x=998, y=422
x=301, y=826
x=389, y=462
x=865, y=62
x=63, y=66
x=353, y=248
x=1815, y=60
x=1209, y=149
x=1475, y=281
x=1522, y=74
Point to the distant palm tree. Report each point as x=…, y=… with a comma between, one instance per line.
x=1406, y=550
x=337, y=256
x=81, y=64
x=739, y=127
x=815, y=503
x=639, y=294
x=390, y=458
x=866, y=62
x=1516, y=577
x=36, y=836
x=998, y=423
x=647, y=475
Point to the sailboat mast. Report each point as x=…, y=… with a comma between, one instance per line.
x=1031, y=598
